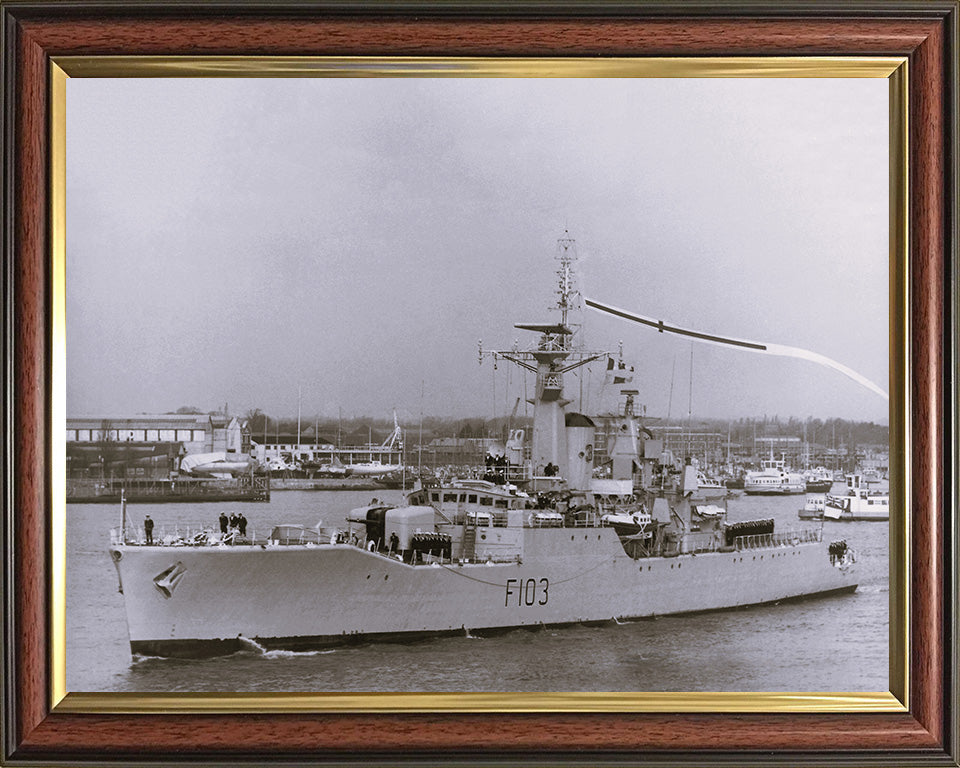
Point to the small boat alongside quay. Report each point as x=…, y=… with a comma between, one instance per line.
x=814, y=507
x=818, y=480
x=711, y=487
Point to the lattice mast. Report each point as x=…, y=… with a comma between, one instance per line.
x=550, y=358
x=568, y=298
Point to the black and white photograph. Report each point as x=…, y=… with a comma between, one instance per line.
x=470, y=384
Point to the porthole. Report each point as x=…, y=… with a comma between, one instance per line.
x=386, y=577
x=483, y=537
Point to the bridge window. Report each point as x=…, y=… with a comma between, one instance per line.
x=486, y=501
x=472, y=498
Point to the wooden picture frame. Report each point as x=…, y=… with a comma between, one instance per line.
x=35, y=34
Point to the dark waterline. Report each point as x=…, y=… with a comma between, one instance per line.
x=835, y=643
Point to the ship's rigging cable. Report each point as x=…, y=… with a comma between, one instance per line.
x=673, y=376
x=458, y=572
x=749, y=346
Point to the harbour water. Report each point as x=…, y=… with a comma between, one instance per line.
x=836, y=643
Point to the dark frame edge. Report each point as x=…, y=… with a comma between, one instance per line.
x=950, y=756
x=8, y=74
x=26, y=332
x=8, y=28
x=951, y=346
x=489, y=8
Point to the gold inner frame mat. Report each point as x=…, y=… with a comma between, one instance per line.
x=892, y=68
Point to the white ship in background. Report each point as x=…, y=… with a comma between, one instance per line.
x=858, y=503
x=773, y=479
x=557, y=548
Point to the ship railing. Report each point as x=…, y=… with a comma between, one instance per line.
x=532, y=521
x=181, y=536
x=700, y=542
x=781, y=539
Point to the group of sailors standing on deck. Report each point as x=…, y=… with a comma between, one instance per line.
x=495, y=469
x=236, y=523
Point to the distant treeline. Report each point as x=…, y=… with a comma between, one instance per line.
x=361, y=430
x=825, y=432
x=743, y=431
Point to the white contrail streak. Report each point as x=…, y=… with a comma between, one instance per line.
x=750, y=346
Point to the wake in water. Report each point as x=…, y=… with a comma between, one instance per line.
x=250, y=648
x=254, y=648
x=281, y=654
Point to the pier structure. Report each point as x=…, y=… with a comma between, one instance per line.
x=248, y=487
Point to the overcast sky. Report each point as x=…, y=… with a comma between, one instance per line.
x=230, y=240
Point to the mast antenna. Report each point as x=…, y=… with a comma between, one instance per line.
x=569, y=297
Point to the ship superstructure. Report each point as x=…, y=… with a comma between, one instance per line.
x=550, y=544
x=860, y=502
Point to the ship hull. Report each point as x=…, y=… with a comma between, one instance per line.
x=787, y=490
x=858, y=517
x=200, y=649
x=857, y=509
x=197, y=601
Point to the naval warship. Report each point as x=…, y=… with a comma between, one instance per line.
x=541, y=541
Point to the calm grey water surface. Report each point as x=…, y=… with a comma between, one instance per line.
x=828, y=644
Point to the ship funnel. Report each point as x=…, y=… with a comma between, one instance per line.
x=625, y=449
x=581, y=433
